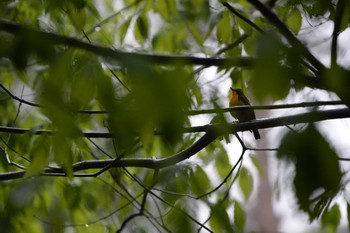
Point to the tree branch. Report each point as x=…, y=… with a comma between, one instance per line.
x=339, y=12
x=295, y=42
x=198, y=112
x=242, y=17
x=265, y=107
x=14, y=130
x=212, y=132
x=118, y=55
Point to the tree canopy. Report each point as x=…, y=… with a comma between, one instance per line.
x=114, y=114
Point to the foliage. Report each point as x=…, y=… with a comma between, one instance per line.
x=103, y=91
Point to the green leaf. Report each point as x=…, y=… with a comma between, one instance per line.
x=250, y=44
x=177, y=221
x=39, y=155
x=86, y=71
x=166, y=8
x=236, y=77
x=222, y=163
x=257, y=164
x=123, y=28
x=319, y=8
x=316, y=168
x=170, y=39
x=331, y=219
x=294, y=20
x=174, y=179
x=159, y=99
x=224, y=29
x=78, y=18
x=239, y=216
x=62, y=151
x=196, y=33
x=141, y=28
x=244, y=25
x=199, y=181
x=245, y=182
x=220, y=221
x=270, y=79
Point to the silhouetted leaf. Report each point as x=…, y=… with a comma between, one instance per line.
x=224, y=29
x=317, y=169
x=271, y=78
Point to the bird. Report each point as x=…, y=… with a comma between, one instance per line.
x=238, y=99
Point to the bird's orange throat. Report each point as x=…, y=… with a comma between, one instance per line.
x=234, y=98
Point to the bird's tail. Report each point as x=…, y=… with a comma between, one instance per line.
x=256, y=134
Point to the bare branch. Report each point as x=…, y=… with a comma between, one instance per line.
x=308, y=117
x=226, y=128
x=118, y=55
x=265, y=107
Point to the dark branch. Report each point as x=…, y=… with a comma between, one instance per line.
x=212, y=132
x=242, y=17
x=14, y=130
x=273, y=18
x=265, y=107
x=123, y=56
x=18, y=98
x=339, y=12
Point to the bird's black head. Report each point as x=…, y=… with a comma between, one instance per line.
x=237, y=90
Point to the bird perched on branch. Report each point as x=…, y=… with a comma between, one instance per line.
x=238, y=99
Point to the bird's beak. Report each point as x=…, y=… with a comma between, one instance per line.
x=231, y=89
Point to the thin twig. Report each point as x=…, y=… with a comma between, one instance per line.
x=240, y=162
x=101, y=23
x=167, y=203
x=242, y=17
x=226, y=178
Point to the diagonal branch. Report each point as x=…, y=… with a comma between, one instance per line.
x=212, y=132
x=242, y=17
x=295, y=42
